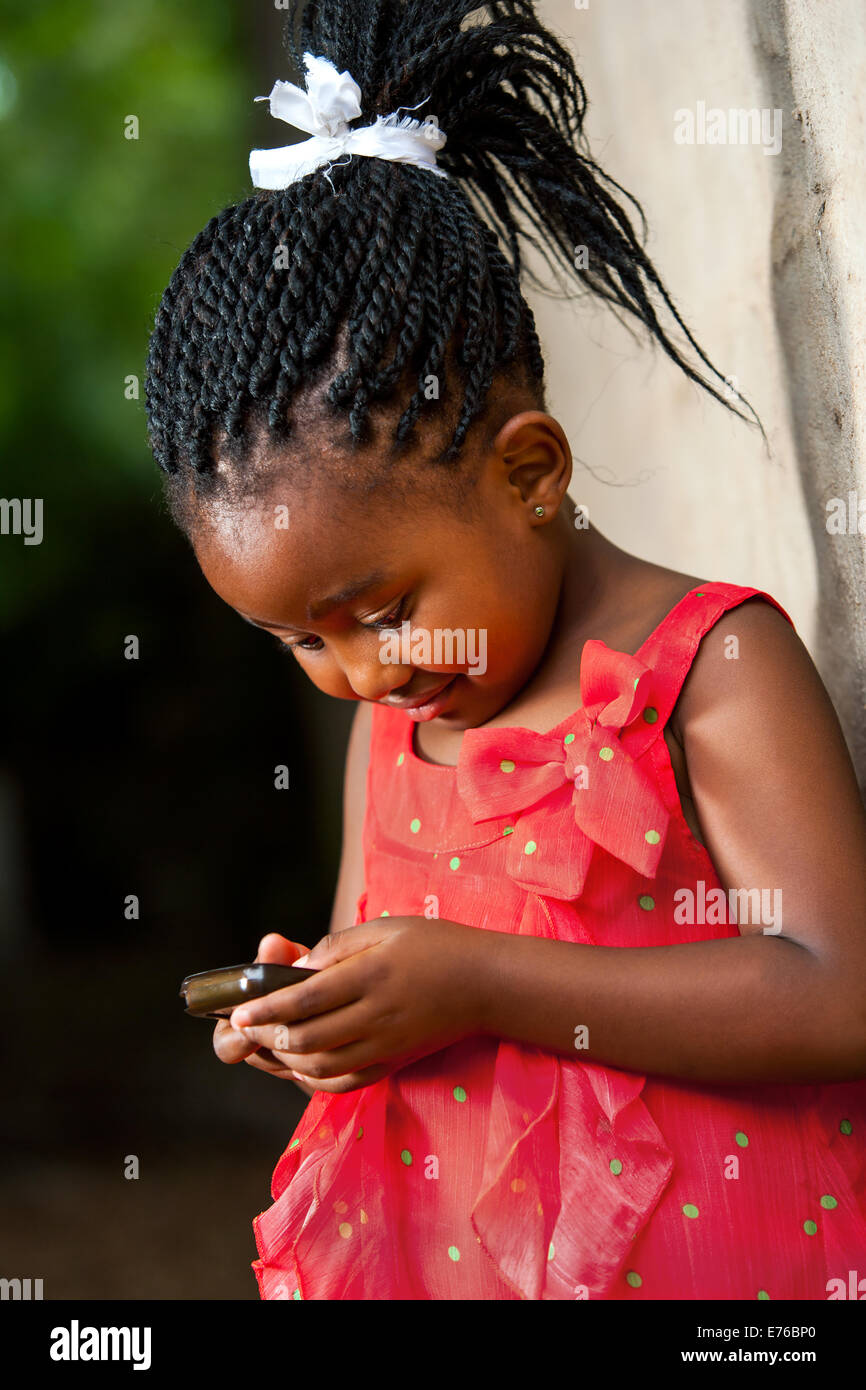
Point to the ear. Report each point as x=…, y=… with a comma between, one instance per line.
x=533, y=451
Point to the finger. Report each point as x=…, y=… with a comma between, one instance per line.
x=322, y=1033
x=355, y=1081
x=279, y=950
x=263, y=1060
x=340, y=945
x=230, y=1045
x=339, y=1061
x=333, y=988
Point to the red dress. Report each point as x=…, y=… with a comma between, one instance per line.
x=495, y=1170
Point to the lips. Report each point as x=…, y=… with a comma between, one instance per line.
x=420, y=700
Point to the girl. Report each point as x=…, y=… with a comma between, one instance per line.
x=558, y=751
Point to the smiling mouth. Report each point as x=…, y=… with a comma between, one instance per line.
x=425, y=699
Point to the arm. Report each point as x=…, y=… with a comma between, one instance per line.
x=779, y=808
x=350, y=880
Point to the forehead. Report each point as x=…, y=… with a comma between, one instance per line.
x=274, y=557
x=300, y=522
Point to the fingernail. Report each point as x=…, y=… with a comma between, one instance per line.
x=240, y=1020
x=302, y=960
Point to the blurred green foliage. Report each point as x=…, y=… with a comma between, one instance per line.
x=92, y=226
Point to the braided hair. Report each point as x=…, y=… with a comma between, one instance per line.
x=394, y=276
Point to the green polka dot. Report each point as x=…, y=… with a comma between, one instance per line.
x=551, y=1250
x=650, y=714
x=506, y=765
x=652, y=837
x=294, y=1143
x=605, y=754
x=400, y=759
x=762, y=1294
x=530, y=847
x=809, y=1227
x=690, y=1210
x=297, y=1294
x=615, y=1167
x=699, y=594
x=459, y=1093
x=634, y=1279
x=509, y=830
x=646, y=902
x=406, y=1157
x=360, y=1132
x=415, y=825
x=384, y=912
x=453, y=1253
x=454, y=863
x=569, y=738
x=742, y=1139
x=828, y=1202
x=636, y=679
x=845, y=1126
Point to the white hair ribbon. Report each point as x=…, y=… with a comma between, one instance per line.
x=331, y=100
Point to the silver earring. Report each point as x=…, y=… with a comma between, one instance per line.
x=539, y=511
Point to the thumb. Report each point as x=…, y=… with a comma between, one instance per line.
x=278, y=950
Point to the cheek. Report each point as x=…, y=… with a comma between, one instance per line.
x=325, y=673
x=503, y=630
x=512, y=637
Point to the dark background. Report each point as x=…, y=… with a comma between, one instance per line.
x=151, y=777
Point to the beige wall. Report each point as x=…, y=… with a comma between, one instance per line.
x=763, y=255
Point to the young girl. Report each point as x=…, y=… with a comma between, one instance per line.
x=559, y=750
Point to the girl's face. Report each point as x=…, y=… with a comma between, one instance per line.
x=341, y=581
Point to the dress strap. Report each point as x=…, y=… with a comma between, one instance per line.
x=670, y=650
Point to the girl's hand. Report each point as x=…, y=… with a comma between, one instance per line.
x=390, y=991
x=230, y=1045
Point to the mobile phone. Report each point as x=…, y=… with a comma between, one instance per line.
x=214, y=993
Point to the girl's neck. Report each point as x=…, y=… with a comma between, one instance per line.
x=592, y=575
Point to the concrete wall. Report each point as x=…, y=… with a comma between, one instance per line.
x=763, y=255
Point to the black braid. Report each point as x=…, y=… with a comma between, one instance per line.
x=396, y=275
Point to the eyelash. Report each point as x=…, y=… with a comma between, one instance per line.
x=391, y=619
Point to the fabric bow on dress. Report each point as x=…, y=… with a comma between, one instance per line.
x=509, y=772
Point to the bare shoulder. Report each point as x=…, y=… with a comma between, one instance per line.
x=645, y=594
x=753, y=695
x=751, y=656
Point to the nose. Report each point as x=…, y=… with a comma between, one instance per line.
x=372, y=679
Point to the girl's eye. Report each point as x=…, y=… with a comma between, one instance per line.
x=392, y=619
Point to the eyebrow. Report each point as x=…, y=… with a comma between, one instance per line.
x=324, y=606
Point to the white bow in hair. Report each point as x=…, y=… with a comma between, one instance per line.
x=331, y=100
